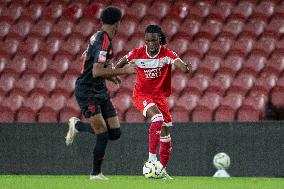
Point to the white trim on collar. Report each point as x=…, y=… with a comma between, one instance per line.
x=154, y=55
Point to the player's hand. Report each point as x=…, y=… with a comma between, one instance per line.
x=130, y=68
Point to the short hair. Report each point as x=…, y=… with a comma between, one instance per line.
x=157, y=29
x=110, y=15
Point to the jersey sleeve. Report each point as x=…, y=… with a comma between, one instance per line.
x=172, y=55
x=130, y=56
x=99, y=48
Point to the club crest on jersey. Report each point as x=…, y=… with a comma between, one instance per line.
x=102, y=56
x=144, y=103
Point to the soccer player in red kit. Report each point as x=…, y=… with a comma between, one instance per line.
x=152, y=87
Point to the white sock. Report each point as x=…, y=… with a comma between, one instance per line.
x=152, y=157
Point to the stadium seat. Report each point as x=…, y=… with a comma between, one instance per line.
x=194, y=61
x=179, y=115
x=71, y=109
x=231, y=65
x=71, y=47
x=51, y=46
x=62, y=29
x=220, y=46
x=137, y=9
x=178, y=45
x=265, y=45
x=53, y=11
x=25, y=84
x=254, y=28
x=73, y=12
x=133, y=43
x=253, y=65
x=147, y=20
x=228, y=108
x=170, y=26
x=7, y=115
x=133, y=115
x=25, y=115
x=93, y=11
x=66, y=86
x=46, y=85
x=200, y=11
x=187, y=101
x=190, y=27
x=128, y=83
x=159, y=9
x=42, y=28
x=32, y=12
x=13, y=102
x=241, y=85
x=85, y=27
x=264, y=9
x=20, y=30
x=59, y=66
x=242, y=46
x=219, y=12
x=7, y=82
x=252, y=109
x=5, y=28
x=243, y=10
x=199, y=47
x=9, y=47
x=197, y=85
x=209, y=65
x=263, y=86
x=4, y=61
x=128, y=26
x=30, y=46
x=232, y=28
x=122, y=101
x=210, y=29
x=219, y=85
x=179, y=10
x=12, y=13
x=118, y=44
x=179, y=82
x=273, y=67
x=205, y=108
x=274, y=27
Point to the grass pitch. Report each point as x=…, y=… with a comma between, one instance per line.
x=137, y=182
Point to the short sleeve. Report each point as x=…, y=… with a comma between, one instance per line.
x=129, y=56
x=99, y=48
x=172, y=55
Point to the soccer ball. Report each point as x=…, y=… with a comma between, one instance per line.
x=221, y=161
x=152, y=169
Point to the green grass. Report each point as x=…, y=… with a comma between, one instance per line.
x=137, y=182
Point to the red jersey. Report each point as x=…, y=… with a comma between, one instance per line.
x=153, y=73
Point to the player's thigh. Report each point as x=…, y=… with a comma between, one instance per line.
x=110, y=115
x=146, y=105
x=98, y=123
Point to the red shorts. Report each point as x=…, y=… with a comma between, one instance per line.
x=143, y=103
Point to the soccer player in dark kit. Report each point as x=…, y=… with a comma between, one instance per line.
x=91, y=92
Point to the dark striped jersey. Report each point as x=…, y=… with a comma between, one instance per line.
x=99, y=51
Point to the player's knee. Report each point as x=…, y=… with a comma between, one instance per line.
x=157, y=118
x=114, y=134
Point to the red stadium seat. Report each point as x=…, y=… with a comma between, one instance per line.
x=273, y=67
x=66, y=86
x=18, y=64
x=170, y=26
x=46, y=84
x=254, y=28
x=5, y=28
x=205, y=108
x=9, y=47
x=209, y=65
x=243, y=10
x=265, y=45
x=59, y=66
x=51, y=46
x=129, y=82
x=179, y=82
x=159, y=9
x=62, y=29
x=211, y=29
x=133, y=115
x=194, y=61
x=274, y=27
x=21, y=29
x=93, y=11
x=228, y=108
x=7, y=115
x=118, y=44
x=12, y=13
x=41, y=28
x=199, y=47
x=219, y=85
x=178, y=45
x=73, y=12
x=197, y=85
x=71, y=47
x=188, y=101
x=70, y=110
x=190, y=27
x=137, y=9
x=128, y=26
x=25, y=84
x=231, y=65
x=30, y=46
x=38, y=66
x=241, y=85
x=33, y=12
x=47, y=116
x=179, y=114
x=135, y=42
x=220, y=47
x=262, y=86
x=13, y=102
x=122, y=101
x=232, y=28
x=34, y=103
x=200, y=11
x=252, y=109
x=242, y=46
x=220, y=12
x=179, y=9
x=147, y=20
x=7, y=82
x=253, y=65
x=85, y=27
x=264, y=9
x=4, y=61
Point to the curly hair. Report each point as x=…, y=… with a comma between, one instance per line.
x=110, y=15
x=157, y=29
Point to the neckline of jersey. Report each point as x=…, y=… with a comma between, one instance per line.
x=155, y=54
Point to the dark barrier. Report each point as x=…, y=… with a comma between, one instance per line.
x=256, y=149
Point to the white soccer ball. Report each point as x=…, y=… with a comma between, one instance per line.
x=221, y=161
x=152, y=169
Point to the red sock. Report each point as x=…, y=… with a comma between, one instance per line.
x=165, y=150
x=154, y=132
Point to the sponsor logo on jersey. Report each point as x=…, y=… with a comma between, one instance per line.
x=153, y=73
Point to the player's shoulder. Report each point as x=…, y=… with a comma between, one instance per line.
x=99, y=37
x=168, y=51
x=138, y=51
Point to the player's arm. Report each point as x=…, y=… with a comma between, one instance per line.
x=121, y=63
x=186, y=68
x=100, y=71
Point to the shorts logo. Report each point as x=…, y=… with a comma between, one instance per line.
x=92, y=108
x=102, y=56
x=144, y=103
